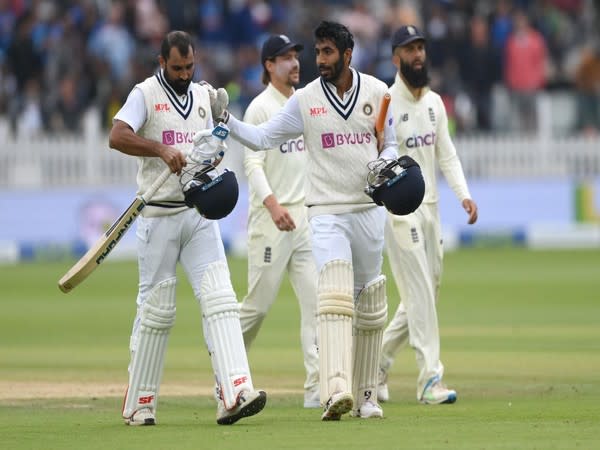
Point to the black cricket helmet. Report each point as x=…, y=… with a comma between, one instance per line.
x=213, y=194
x=397, y=184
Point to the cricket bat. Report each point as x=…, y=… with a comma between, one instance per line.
x=107, y=242
x=380, y=123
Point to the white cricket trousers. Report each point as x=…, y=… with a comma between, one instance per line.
x=272, y=253
x=355, y=237
x=186, y=237
x=414, y=247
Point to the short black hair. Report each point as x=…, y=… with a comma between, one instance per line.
x=336, y=32
x=179, y=39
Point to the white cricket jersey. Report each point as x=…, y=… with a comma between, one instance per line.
x=281, y=172
x=339, y=135
x=172, y=120
x=422, y=131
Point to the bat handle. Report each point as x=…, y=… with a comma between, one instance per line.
x=146, y=196
x=380, y=122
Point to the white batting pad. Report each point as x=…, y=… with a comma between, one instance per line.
x=335, y=290
x=157, y=317
x=223, y=333
x=370, y=317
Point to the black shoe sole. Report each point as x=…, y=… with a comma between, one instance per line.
x=248, y=410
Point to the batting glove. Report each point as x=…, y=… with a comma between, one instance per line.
x=219, y=100
x=209, y=145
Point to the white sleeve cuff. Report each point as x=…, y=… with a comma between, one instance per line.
x=258, y=182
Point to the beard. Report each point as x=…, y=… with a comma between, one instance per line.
x=415, y=78
x=179, y=86
x=336, y=70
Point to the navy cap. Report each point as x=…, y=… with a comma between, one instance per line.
x=277, y=45
x=405, y=35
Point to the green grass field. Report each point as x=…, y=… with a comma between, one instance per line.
x=520, y=342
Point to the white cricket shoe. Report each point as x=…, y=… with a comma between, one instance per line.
x=312, y=398
x=383, y=394
x=368, y=410
x=143, y=416
x=338, y=404
x=436, y=393
x=248, y=404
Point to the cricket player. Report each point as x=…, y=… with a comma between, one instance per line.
x=157, y=123
x=278, y=231
x=414, y=241
x=337, y=114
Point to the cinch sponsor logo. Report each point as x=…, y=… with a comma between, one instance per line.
x=240, y=380
x=172, y=137
x=162, y=107
x=330, y=140
x=421, y=141
x=293, y=145
x=316, y=112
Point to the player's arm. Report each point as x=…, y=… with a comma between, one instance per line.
x=254, y=166
x=451, y=167
x=123, y=137
x=286, y=124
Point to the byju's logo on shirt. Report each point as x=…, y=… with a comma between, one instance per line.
x=172, y=137
x=330, y=140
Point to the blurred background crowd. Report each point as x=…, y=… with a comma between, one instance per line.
x=491, y=60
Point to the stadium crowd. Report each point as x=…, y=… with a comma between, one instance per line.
x=490, y=59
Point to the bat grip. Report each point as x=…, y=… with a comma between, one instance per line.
x=380, y=123
x=165, y=174
x=146, y=196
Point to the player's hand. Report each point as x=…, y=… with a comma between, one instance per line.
x=471, y=208
x=219, y=100
x=173, y=158
x=279, y=214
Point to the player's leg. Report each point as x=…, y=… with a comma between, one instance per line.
x=434, y=248
x=269, y=251
x=370, y=315
x=409, y=265
x=395, y=336
x=303, y=277
x=331, y=250
x=436, y=391
x=203, y=259
x=155, y=317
